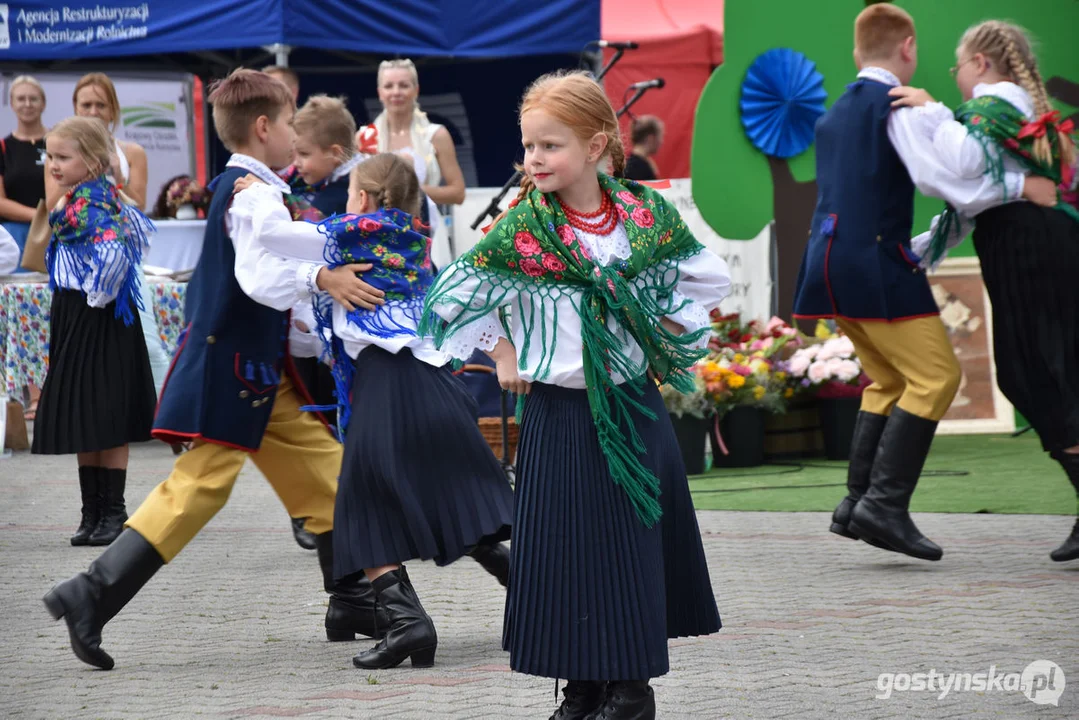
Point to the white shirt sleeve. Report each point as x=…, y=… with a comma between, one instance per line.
x=703, y=282
x=9, y=253
x=483, y=332
x=969, y=195
x=279, y=278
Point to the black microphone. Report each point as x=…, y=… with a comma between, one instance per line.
x=645, y=84
x=617, y=45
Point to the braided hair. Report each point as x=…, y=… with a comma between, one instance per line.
x=391, y=181
x=576, y=100
x=1010, y=48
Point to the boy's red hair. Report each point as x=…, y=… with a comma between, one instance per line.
x=880, y=29
x=241, y=98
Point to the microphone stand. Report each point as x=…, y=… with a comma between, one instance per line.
x=493, y=208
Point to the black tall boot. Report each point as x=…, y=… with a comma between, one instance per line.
x=111, y=506
x=883, y=512
x=89, y=478
x=303, y=537
x=628, y=700
x=863, y=449
x=495, y=559
x=411, y=635
x=92, y=598
x=581, y=700
x=1070, y=549
x=352, y=607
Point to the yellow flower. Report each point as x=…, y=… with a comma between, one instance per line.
x=781, y=375
x=822, y=332
x=758, y=392
x=736, y=381
x=789, y=392
x=740, y=358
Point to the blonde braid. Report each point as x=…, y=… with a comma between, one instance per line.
x=1067, y=145
x=617, y=150
x=1020, y=70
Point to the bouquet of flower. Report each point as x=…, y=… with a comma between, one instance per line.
x=695, y=404
x=774, y=338
x=829, y=368
x=186, y=191
x=734, y=379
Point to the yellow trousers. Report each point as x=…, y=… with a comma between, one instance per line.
x=298, y=456
x=911, y=364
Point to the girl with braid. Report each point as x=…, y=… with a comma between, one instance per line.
x=1029, y=254
x=606, y=288
x=417, y=481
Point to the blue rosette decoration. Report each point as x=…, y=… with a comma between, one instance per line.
x=782, y=97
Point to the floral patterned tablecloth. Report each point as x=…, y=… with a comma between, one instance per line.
x=24, y=329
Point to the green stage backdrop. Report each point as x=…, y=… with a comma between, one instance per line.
x=739, y=190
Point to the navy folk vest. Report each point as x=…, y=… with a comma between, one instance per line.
x=226, y=371
x=858, y=263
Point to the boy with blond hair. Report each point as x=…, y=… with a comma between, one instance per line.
x=860, y=270
x=231, y=392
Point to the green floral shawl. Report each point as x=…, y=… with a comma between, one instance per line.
x=1001, y=128
x=533, y=251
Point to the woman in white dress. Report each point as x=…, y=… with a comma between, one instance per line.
x=403, y=127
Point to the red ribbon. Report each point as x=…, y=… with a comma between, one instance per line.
x=367, y=143
x=1038, y=128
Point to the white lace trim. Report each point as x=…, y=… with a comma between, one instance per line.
x=483, y=334
x=880, y=75
x=260, y=170
x=693, y=316
x=346, y=167
x=606, y=249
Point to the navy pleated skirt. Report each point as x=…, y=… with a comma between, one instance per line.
x=99, y=391
x=417, y=480
x=594, y=594
x=1030, y=264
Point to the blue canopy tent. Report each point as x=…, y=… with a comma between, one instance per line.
x=461, y=47
x=39, y=30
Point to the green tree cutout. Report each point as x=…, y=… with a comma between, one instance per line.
x=739, y=190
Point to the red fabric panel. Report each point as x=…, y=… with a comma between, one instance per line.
x=684, y=62
x=641, y=20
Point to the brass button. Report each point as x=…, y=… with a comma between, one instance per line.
x=255, y=403
x=210, y=339
x=914, y=270
x=244, y=394
x=879, y=238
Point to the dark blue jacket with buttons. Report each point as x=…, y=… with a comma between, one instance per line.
x=225, y=374
x=858, y=263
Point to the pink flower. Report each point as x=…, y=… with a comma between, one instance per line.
x=552, y=263
x=818, y=372
x=622, y=214
x=628, y=198
x=526, y=243
x=643, y=217
x=566, y=233
x=798, y=364
x=369, y=225
x=80, y=204
x=532, y=268
x=109, y=234
x=741, y=370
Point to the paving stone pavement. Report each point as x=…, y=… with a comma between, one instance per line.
x=233, y=627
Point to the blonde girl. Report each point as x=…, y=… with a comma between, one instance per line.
x=98, y=395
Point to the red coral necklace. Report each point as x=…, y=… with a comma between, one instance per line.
x=601, y=222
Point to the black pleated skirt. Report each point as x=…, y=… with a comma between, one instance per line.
x=594, y=594
x=99, y=391
x=1030, y=263
x=417, y=480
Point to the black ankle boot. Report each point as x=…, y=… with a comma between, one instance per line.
x=89, y=478
x=882, y=514
x=352, y=609
x=628, y=700
x=111, y=506
x=303, y=537
x=411, y=635
x=581, y=699
x=1070, y=549
x=92, y=598
x=863, y=449
x=495, y=559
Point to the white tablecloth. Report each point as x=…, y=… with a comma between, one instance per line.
x=176, y=245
